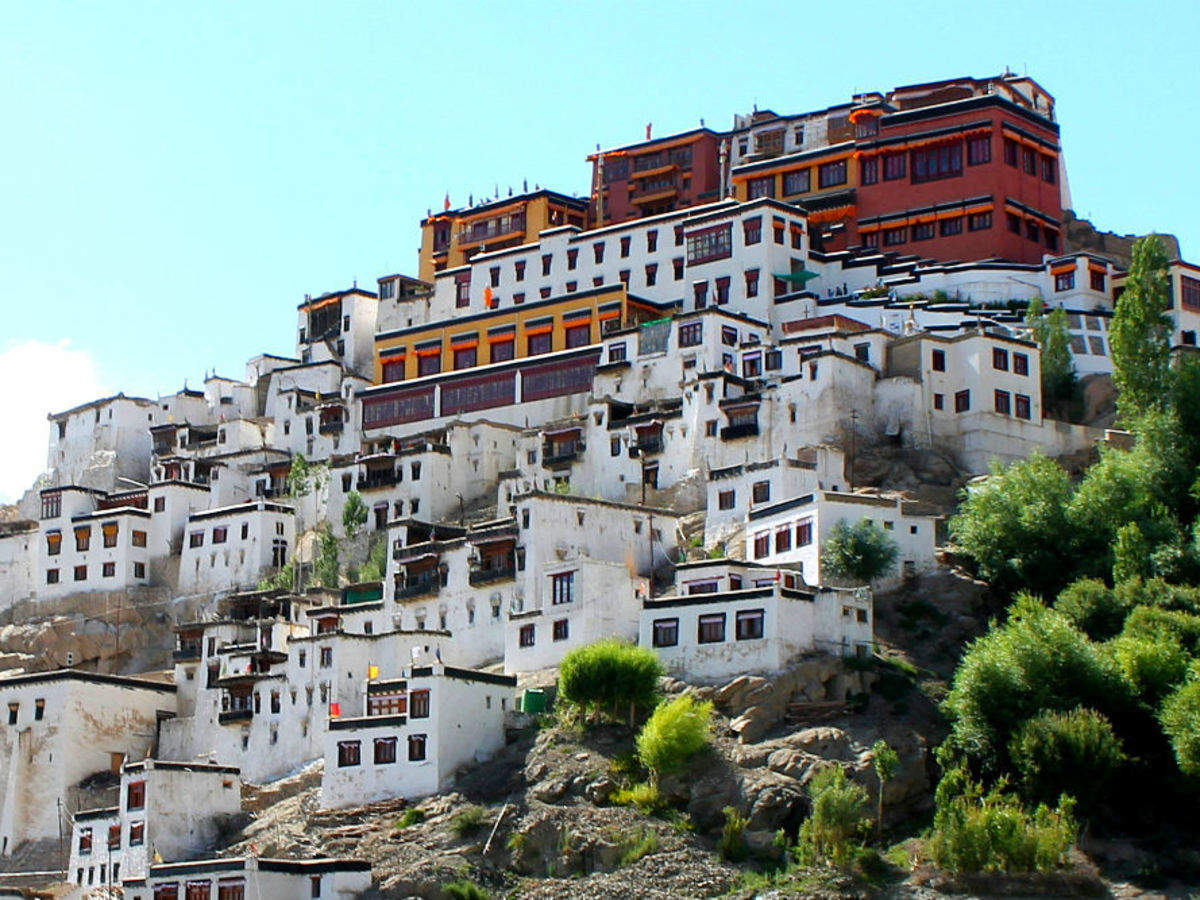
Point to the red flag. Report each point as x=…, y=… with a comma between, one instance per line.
x=335, y=710
x=648, y=124
x=447, y=206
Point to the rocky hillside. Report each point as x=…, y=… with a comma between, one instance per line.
x=539, y=820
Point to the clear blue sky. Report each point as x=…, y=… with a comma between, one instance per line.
x=174, y=177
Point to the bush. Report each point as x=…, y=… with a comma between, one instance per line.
x=1015, y=526
x=376, y=565
x=412, y=816
x=1157, y=624
x=1074, y=753
x=609, y=676
x=732, y=845
x=993, y=832
x=1036, y=661
x=1180, y=719
x=468, y=820
x=838, y=815
x=1152, y=665
x=1093, y=608
x=643, y=796
x=677, y=731
x=465, y=890
x=860, y=552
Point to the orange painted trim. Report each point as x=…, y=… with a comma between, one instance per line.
x=327, y=302
x=1062, y=270
x=501, y=338
x=431, y=351
x=613, y=314
x=465, y=345
x=545, y=329
x=394, y=358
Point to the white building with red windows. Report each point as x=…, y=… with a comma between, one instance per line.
x=165, y=810
x=60, y=728
x=726, y=618
x=233, y=547
x=794, y=531
x=255, y=878
x=417, y=729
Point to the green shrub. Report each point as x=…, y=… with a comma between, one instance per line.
x=839, y=809
x=465, y=890
x=1159, y=624
x=1154, y=666
x=993, y=832
x=468, y=820
x=642, y=843
x=643, y=796
x=1035, y=661
x=677, y=731
x=1015, y=526
x=1074, y=753
x=412, y=816
x=1180, y=719
x=376, y=565
x=732, y=844
x=1093, y=608
x=860, y=552
x=609, y=676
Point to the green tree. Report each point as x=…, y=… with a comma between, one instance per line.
x=1014, y=525
x=326, y=568
x=609, y=676
x=354, y=514
x=861, y=552
x=1036, y=661
x=676, y=731
x=1074, y=753
x=838, y=812
x=1180, y=719
x=1052, y=332
x=1140, y=333
x=1153, y=665
x=1131, y=554
x=887, y=761
x=1093, y=607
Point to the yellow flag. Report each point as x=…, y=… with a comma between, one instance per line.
x=372, y=672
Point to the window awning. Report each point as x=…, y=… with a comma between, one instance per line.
x=801, y=277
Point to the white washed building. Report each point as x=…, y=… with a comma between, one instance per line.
x=794, y=531
x=417, y=730
x=165, y=810
x=61, y=727
x=727, y=618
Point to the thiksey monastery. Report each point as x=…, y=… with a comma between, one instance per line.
x=709, y=335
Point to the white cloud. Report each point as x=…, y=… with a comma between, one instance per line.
x=38, y=377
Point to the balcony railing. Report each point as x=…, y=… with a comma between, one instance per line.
x=233, y=716
x=646, y=447
x=417, y=587
x=488, y=576
x=565, y=453
x=733, y=432
x=334, y=427
x=377, y=480
x=186, y=654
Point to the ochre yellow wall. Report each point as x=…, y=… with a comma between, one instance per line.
x=517, y=315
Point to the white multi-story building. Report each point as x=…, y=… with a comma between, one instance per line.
x=98, y=444
x=255, y=878
x=794, y=531
x=727, y=618
x=233, y=547
x=166, y=810
x=62, y=727
x=735, y=490
x=418, y=729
